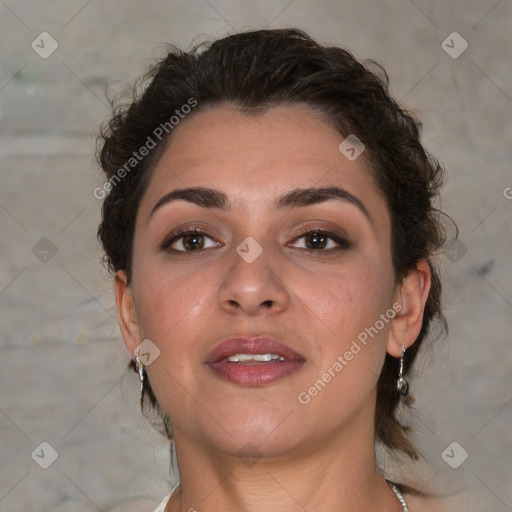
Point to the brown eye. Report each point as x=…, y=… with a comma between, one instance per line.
x=316, y=241
x=319, y=240
x=188, y=241
x=193, y=241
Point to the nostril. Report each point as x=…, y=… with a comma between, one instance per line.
x=267, y=303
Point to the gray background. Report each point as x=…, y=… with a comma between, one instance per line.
x=63, y=375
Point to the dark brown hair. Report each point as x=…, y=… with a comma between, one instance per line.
x=255, y=71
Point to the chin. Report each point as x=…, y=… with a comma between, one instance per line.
x=250, y=448
x=272, y=437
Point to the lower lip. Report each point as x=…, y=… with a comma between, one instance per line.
x=255, y=374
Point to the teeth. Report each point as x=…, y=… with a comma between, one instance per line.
x=240, y=358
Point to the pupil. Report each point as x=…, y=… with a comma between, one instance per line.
x=193, y=241
x=317, y=241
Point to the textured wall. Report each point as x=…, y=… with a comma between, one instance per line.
x=63, y=376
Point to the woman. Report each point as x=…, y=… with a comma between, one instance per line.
x=270, y=222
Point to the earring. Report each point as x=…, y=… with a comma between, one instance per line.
x=401, y=384
x=139, y=367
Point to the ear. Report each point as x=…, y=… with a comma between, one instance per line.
x=411, y=294
x=126, y=312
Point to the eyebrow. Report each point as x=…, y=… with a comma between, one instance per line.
x=299, y=197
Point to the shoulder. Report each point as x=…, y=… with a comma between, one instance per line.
x=426, y=503
x=136, y=505
x=455, y=502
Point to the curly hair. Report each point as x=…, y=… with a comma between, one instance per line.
x=255, y=71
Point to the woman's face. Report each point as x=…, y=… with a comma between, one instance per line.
x=256, y=271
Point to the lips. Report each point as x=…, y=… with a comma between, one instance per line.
x=260, y=345
x=239, y=370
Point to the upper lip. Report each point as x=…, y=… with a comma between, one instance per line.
x=251, y=345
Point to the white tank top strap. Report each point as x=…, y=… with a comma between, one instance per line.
x=164, y=502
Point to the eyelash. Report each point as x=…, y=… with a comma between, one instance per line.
x=343, y=244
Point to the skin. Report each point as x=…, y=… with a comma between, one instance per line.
x=318, y=456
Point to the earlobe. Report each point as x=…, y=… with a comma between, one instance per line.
x=411, y=294
x=126, y=312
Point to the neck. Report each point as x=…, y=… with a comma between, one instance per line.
x=332, y=475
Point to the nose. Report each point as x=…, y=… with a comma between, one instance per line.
x=254, y=287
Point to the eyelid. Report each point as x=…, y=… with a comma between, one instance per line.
x=340, y=239
x=180, y=233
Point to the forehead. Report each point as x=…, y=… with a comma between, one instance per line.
x=257, y=157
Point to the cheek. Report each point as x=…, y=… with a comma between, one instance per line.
x=347, y=300
x=167, y=300
x=349, y=338
x=344, y=311
x=171, y=312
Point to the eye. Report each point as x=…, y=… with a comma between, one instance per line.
x=188, y=240
x=319, y=239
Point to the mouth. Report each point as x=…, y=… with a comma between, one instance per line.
x=253, y=361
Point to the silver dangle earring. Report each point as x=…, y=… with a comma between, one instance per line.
x=139, y=367
x=401, y=384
